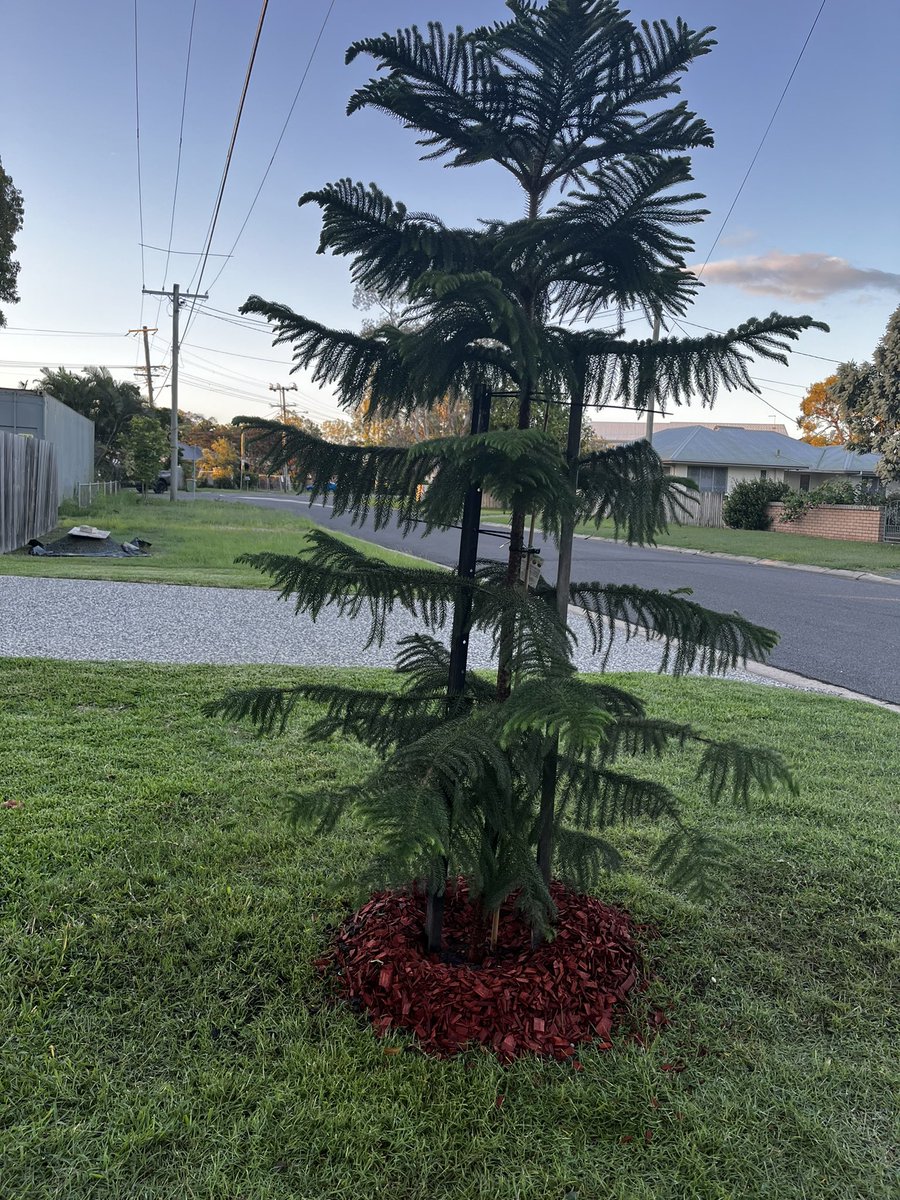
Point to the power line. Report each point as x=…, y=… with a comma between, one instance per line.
x=287, y=120
x=137, y=114
x=61, y=332
x=763, y=139
x=187, y=253
x=187, y=69
x=234, y=132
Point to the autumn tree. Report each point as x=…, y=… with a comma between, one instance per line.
x=869, y=399
x=219, y=461
x=821, y=421
x=12, y=212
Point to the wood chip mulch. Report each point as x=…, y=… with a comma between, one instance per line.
x=515, y=1001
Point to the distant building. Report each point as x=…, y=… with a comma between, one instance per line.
x=617, y=433
x=32, y=414
x=717, y=458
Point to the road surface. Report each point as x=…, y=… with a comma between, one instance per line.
x=832, y=628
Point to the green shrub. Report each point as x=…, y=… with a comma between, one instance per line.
x=837, y=491
x=746, y=503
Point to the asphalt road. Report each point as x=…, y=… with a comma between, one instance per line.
x=839, y=630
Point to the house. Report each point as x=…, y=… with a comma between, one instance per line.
x=617, y=433
x=32, y=414
x=717, y=458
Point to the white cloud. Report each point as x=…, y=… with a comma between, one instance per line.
x=799, y=276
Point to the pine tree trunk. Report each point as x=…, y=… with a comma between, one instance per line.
x=550, y=770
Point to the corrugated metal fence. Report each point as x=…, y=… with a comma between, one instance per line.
x=29, y=491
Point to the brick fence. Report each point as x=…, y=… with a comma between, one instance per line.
x=849, y=522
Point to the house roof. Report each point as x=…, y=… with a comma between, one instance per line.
x=737, y=447
x=632, y=431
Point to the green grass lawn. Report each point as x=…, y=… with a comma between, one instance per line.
x=165, y=1033
x=880, y=557
x=193, y=542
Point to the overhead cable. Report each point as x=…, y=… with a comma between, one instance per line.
x=198, y=275
x=762, y=142
x=287, y=120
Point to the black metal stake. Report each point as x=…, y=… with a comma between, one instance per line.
x=461, y=629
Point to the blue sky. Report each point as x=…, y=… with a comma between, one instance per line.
x=815, y=230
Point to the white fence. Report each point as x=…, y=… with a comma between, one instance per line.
x=87, y=493
x=29, y=490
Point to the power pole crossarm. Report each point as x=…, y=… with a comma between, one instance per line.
x=177, y=297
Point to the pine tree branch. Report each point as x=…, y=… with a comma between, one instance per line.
x=693, y=637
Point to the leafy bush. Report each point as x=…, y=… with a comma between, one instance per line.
x=837, y=491
x=745, y=505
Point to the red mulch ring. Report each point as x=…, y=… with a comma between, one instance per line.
x=516, y=1001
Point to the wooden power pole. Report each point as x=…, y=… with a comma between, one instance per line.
x=177, y=297
x=148, y=370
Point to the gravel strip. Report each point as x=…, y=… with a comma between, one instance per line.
x=97, y=620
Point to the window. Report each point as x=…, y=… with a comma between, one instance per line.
x=804, y=483
x=708, y=479
x=764, y=474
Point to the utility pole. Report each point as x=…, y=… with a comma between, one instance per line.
x=280, y=388
x=649, y=433
x=148, y=370
x=177, y=297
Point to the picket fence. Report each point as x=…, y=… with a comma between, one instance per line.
x=29, y=490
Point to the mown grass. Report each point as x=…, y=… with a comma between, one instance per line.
x=193, y=542
x=880, y=557
x=165, y=1033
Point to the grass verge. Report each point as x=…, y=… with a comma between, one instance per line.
x=194, y=542
x=882, y=558
x=165, y=1033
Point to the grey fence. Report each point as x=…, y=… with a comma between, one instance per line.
x=703, y=508
x=29, y=489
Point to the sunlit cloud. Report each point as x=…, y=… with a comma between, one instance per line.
x=799, y=276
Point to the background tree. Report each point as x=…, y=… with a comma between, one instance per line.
x=12, y=214
x=821, y=421
x=109, y=404
x=145, y=445
x=869, y=399
x=220, y=461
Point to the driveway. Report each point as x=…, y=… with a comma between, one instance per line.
x=842, y=631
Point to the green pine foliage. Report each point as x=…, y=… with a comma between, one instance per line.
x=504, y=784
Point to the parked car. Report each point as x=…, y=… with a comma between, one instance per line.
x=162, y=481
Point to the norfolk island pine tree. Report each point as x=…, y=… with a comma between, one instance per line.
x=482, y=302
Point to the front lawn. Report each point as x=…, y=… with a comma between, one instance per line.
x=880, y=557
x=193, y=542
x=165, y=1033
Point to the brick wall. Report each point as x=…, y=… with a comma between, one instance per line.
x=849, y=522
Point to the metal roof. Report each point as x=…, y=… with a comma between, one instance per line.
x=757, y=448
x=632, y=431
